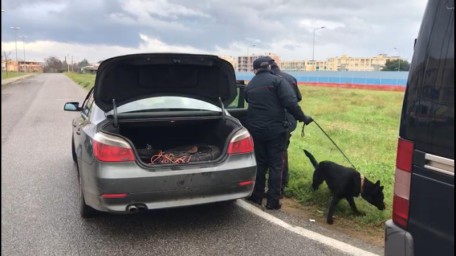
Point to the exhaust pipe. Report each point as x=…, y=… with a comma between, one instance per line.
x=135, y=208
x=132, y=208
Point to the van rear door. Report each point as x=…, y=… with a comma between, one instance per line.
x=428, y=122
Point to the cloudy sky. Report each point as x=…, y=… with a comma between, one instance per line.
x=99, y=29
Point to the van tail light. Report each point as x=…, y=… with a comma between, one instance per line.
x=107, y=148
x=241, y=143
x=402, y=180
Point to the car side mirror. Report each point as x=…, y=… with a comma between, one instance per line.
x=72, y=106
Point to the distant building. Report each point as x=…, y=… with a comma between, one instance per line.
x=293, y=65
x=342, y=63
x=22, y=66
x=347, y=63
x=245, y=63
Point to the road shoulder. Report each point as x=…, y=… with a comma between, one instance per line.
x=370, y=239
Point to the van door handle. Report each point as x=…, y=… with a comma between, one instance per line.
x=439, y=164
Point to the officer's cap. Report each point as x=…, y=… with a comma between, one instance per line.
x=261, y=62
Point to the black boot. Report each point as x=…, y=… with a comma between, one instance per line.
x=282, y=192
x=273, y=204
x=256, y=198
x=284, y=185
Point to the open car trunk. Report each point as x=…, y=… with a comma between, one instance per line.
x=176, y=140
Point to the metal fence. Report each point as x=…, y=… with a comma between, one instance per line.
x=381, y=78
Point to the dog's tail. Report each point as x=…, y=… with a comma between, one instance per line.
x=312, y=158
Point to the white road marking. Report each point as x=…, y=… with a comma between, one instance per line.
x=346, y=248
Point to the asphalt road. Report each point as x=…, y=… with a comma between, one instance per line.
x=40, y=196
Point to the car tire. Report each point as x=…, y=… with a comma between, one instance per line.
x=84, y=210
x=73, y=151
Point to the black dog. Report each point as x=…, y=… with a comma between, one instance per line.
x=345, y=183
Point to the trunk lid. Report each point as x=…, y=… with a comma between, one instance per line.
x=132, y=77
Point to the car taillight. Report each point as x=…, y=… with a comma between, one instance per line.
x=402, y=179
x=241, y=143
x=109, y=148
x=113, y=196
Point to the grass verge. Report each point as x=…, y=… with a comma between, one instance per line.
x=11, y=74
x=364, y=124
x=85, y=80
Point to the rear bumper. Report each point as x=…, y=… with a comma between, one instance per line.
x=172, y=186
x=117, y=207
x=398, y=242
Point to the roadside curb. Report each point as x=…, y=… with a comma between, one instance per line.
x=8, y=81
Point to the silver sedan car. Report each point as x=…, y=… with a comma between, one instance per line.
x=154, y=132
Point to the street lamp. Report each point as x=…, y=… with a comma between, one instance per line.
x=23, y=48
x=15, y=40
x=67, y=62
x=398, y=60
x=313, y=44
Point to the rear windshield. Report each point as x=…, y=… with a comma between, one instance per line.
x=167, y=103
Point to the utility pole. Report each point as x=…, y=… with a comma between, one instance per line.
x=5, y=53
x=23, y=48
x=68, y=64
x=15, y=40
x=313, y=46
x=6, y=62
x=398, y=60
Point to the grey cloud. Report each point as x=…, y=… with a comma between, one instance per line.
x=209, y=25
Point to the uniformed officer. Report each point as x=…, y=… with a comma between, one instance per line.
x=268, y=96
x=292, y=123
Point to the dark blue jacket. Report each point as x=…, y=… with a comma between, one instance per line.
x=268, y=96
x=290, y=79
x=294, y=85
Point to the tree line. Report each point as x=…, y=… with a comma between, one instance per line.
x=396, y=65
x=54, y=65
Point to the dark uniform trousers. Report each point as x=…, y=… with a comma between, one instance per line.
x=270, y=153
x=285, y=161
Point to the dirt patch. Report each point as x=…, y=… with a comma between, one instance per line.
x=372, y=235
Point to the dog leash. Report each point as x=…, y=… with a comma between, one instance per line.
x=302, y=135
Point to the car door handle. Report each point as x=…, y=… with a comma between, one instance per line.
x=78, y=131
